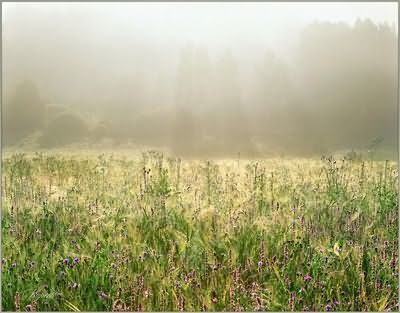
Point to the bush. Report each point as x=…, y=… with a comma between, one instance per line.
x=65, y=128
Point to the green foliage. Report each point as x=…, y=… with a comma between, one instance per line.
x=149, y=234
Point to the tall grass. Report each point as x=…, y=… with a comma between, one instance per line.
x=162, y=234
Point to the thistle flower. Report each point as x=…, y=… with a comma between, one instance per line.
x=103, y=295
x=307, y=278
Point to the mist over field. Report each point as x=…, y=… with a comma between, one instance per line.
x=214, y=157
x=201, y=79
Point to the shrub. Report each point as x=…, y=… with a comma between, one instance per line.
x=65, y=128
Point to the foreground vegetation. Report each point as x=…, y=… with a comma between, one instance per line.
x=155, y=233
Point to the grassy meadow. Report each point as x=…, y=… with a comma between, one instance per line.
x=154, y=233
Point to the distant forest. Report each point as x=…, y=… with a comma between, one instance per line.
x=338, y=91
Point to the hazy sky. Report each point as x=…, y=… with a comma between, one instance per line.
x=203, y=23
x=244, y=28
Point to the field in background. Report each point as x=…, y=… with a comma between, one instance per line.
x=86, y=232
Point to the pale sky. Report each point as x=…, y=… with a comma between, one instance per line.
x=213, y=24
x=138, y=30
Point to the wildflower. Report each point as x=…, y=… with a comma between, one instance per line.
x=65, y=261
x=103, y=295
x=214, y=300
x=260, y=263
x=76, y=260
x=307, y=278
x=74, y=286
x=328, y=307
x=335, y=302
x=29, y=307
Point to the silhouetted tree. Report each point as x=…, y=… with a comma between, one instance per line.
x=25, y=112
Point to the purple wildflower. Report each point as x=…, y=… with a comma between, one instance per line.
x=76, y=260
x=328, y=307
x=103, y=295
x=307, y=278
x=65, y=261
